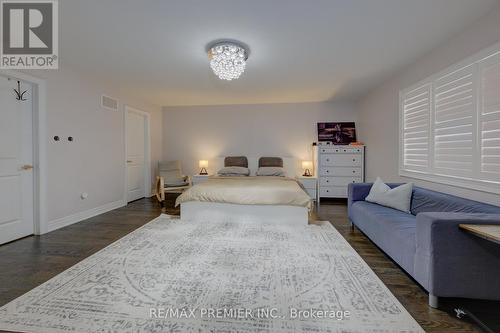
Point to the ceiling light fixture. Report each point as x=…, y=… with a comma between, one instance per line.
x=228, y=59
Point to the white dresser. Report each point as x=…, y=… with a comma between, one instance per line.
x=337, y=167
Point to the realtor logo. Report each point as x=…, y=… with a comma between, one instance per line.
x=29, y=32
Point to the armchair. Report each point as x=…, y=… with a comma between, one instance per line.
x=170, y=179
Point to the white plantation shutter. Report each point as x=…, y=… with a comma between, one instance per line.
x=416, y=128
x=454, y=123
x=450, y=125
x=489, y=117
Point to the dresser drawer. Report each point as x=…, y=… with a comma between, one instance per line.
x=340, y=160
x=340, y=171
x=333, y=192
x=339, y=181
x=333, y=150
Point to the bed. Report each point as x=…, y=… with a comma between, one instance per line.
x=269, y=198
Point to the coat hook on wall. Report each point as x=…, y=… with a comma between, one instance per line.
x=20, y=95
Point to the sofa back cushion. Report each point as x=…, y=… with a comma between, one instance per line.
x=424, y=200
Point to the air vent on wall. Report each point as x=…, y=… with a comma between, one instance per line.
x=109, y=103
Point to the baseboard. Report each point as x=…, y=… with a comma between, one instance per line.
x=68, y=220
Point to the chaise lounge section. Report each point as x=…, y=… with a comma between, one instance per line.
x=428, y=244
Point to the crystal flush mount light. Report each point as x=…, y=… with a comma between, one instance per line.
x=228, y=59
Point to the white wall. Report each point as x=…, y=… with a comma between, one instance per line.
x=378, y=112
x=206, y=132
x=94, y=161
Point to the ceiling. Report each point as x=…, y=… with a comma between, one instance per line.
x=300, y=51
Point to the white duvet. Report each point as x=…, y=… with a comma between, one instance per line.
x=248, y=191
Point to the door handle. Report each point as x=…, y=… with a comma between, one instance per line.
x=27, y=167
x=129, y=161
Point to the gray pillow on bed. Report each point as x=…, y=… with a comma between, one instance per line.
x=236, y=161
x=234, y=171
x=271, y=171
x=270, y=162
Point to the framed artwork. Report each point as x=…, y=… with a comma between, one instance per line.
x=341, y=133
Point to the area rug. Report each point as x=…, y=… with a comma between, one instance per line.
x=215, y=276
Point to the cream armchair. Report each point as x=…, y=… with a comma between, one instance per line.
x=170, y=179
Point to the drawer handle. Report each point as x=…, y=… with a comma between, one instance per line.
x=353, y=171
x=329, y=171
x=328, y=160
x=327, y=181
x=345, y=150
x=327, y=191
x=354, y=160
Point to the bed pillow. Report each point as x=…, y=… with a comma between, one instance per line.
x=236, y=161
x=271, y=162
x=398, y=198
x=271, y=171
x=234, y=171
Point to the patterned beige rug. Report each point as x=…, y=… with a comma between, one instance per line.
x=175, y=276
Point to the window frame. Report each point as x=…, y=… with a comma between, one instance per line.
x=483, y=185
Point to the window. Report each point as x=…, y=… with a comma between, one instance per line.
x=450, y=125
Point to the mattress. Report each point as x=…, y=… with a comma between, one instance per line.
x=248, y=191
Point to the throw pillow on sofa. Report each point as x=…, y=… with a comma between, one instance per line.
x=398, y=198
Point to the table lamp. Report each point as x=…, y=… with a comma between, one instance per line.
x=203, y=164
x=307, y=165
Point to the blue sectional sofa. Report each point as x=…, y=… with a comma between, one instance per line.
x=428, y=244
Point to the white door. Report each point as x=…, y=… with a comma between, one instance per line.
x=136, y=154
x=16, y=162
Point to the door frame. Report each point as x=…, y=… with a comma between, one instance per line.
x=39, y=98
x=147, y=151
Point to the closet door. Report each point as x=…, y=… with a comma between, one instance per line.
x=136, y=152
x=16, y=162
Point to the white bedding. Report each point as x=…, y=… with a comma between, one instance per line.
x=248, y=191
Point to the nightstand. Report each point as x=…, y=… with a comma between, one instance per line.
x=196, y=179
x=310, y=184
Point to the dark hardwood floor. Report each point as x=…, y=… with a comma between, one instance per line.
x=27, y=263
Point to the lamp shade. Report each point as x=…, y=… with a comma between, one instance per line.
x=306, y=164
x=203, y=164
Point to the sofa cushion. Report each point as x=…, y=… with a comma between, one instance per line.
x=431, y=201
x=398, y=197
x=390, y=229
